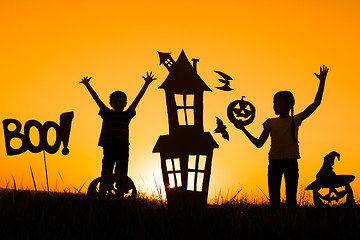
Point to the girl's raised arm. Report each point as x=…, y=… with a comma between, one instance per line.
x=312, y=107
x=258, y=142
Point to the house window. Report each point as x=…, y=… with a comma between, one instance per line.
x=185, y=109
x=173, y=171
x=196, y=171
x=168, y=62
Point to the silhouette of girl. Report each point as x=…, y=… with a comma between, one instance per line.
x=284, y=151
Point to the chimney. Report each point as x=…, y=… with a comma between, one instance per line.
x=195, y=61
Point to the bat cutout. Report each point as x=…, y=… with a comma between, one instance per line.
x=226, y=81
x=221, y=128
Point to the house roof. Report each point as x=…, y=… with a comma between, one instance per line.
x=183, y=77
x=186, y=144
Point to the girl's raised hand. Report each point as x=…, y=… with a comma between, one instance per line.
x=85, y=80
x=149, y=77
x=323, y=72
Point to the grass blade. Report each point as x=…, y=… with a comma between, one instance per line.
x=263, y=193
x=79, y=190
x=33, y=178
x=14, y=183
x=232, y=199
x=46, y=174
x=62, y=179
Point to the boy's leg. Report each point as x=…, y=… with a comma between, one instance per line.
x=274, y=181
x=122, y=159
x=108, y=160
x=291, y=174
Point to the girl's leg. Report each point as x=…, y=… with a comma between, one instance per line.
x=274, y=182
x=291, y=174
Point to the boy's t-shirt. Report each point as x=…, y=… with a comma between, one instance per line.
x=283, y=144
x=115, y=126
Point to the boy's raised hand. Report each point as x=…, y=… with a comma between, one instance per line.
x=323, y=72
x=149, y=77
x=85, y=80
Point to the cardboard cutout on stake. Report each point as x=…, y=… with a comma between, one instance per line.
x=186, y=153
x=241, y=112
x=327, y=179
x=62, y=135
x=221, y=128
x=114, y=186
x=226, y=81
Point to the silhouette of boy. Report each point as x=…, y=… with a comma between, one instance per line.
x=114, y=136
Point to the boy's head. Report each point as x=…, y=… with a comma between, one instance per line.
x=118, y=100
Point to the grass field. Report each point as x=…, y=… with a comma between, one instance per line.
x=26, y=215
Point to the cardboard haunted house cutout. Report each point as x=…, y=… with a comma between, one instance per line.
x=186, y=153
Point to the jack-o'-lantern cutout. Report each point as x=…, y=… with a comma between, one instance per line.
x=329, y=188
x=112, y=186
x=241, y=112
x=327, y=195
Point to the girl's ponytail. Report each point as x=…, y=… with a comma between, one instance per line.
x=293, y=131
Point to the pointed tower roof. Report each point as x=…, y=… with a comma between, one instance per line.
x=183, y=77
x=164, y=56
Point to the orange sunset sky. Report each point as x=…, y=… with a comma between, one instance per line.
x=265, y=46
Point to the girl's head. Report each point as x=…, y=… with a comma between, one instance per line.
x=284, y=103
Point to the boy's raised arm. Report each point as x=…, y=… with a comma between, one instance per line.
x=148, y=79
x=312, y=107
x=86, y=82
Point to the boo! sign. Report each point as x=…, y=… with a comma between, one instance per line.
x=62, y=135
